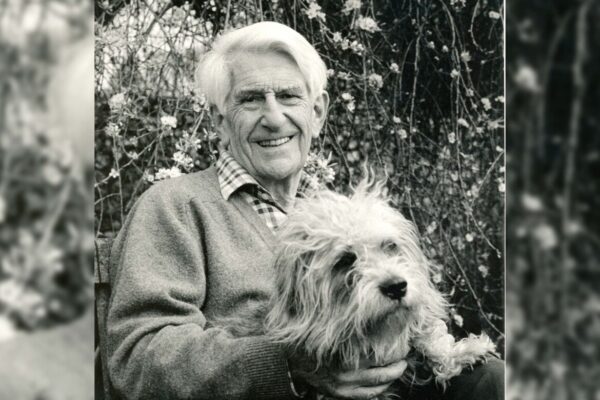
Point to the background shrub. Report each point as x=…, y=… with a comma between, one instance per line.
x=46, y=221
x=553, y=220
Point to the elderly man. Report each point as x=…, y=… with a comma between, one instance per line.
x=200, y=247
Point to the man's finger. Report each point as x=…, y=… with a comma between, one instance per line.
x=374, y=376
x=360, y=393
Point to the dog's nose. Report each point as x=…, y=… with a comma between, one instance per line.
x=395, y=291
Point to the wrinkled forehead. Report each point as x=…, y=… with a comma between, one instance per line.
x=265, y=70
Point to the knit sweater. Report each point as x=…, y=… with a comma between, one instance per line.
x=183, y=257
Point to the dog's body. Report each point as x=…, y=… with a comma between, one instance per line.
x=352, y=284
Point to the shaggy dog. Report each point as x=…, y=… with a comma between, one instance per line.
x=351, y=283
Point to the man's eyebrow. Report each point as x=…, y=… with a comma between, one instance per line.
x=249, y=91
x=262, y=90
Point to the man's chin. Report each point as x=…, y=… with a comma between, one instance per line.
x=279, y=170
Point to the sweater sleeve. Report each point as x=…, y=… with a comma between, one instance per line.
x=157, y=342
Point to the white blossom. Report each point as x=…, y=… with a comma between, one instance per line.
x=376, y=81
x=183, y=160
x=367, y=24
x=431, y=227
x=494, y=15
x=546, y=236
x=445, y=49
x=112, y=130
x=484, y=270
x=357, y=47
x=350, y=5
x=113, y=173
x=463, y=122
x=465, y=56
x=403, y=134
x=52, y=174
x=527, y=78
x=394, y=68
x=337, y=37
x=11, y=291
x=469, y=237
x=573, y=228
x=487, y=104
x=314, y=11
x=396, y=120
x=458, y=319
x=347, y=96
x=166, y=173
x=454, y=74
x=531, y=202
x=452, y=137
x=117, y=101
x=495, y=124
x=169, y=121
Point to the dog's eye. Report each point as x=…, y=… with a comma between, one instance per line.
x=345, y=261
x=389, y=247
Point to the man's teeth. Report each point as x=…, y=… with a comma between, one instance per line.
x=275, y=142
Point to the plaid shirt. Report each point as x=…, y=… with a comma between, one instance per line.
x=234, y=178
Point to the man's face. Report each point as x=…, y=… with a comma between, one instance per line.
x=269, y=119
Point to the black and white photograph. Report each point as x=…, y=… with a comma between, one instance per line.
x=298, y=199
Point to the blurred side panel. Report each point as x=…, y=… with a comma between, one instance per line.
x=46, y=199
x=553, y=220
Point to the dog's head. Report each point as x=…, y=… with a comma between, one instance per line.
x=351, y=280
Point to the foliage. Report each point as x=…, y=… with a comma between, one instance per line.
x=417, y=93
x=46, y=237
x=552, y=235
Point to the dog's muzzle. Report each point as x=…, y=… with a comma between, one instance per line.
x=395, y=290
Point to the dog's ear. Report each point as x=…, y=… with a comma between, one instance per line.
x=290, y=298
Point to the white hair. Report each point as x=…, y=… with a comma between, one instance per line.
x=214, y=74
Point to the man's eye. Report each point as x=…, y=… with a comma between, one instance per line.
x=251, y=98
x=287, y=96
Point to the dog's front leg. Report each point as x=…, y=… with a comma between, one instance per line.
x=446, y=356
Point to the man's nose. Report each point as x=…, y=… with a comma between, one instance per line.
x=273, y=117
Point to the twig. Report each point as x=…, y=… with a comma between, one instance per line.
x=466, y=278
x=579, y=85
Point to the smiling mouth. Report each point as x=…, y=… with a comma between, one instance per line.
x=274, y=142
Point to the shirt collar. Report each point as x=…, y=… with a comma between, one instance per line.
x=232, y=176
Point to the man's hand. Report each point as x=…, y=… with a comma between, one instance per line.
x=361, y=384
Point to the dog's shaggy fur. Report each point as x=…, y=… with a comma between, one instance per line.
x=340, y=297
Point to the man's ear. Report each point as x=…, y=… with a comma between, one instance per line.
x=219, y=122
x=320, y=110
